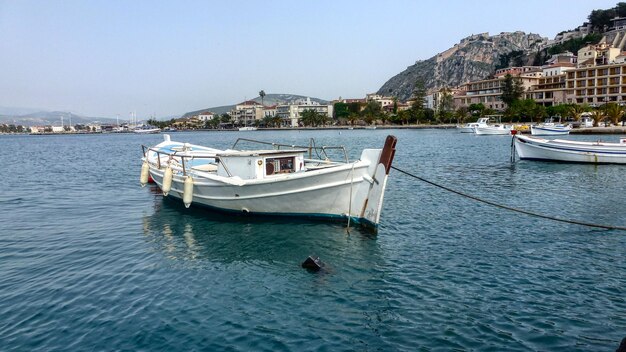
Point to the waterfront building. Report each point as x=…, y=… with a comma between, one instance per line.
x=382, y=100
x=600, y=76
x=290, y=113
x=596, y=85
x=489, y=91
x=247, y=113
x=550, y=88
x=206, y=116
x=269, y=111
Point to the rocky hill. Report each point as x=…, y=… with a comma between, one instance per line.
x=475, y=57
x=43, y=118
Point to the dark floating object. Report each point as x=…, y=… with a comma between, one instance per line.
x=312, y=263
x=622, y=346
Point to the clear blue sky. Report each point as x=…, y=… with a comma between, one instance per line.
x=103, y=58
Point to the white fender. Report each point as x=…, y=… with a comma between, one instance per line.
x=167, y=181
x=145, y=171
x=188, y=191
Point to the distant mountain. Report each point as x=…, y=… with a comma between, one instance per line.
x=10, y=111
x=475, y=57
x=268, y=100
x=47, y=118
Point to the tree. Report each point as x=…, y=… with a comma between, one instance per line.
x=341, y=111
x=403, y=116
x=601, y=19
x=512, y=89
x=310, y=117
x=262, y=95
x=276, y=121
x=461, y=114
x=212, y=123
x=614, y=112
x=418, y=96
x=352, y=118
x=557, y=110
x=372, y=111
x=576, y=111
x=526, y=110
x=446, y=105
x=597, y=116
x=355, y=107
x=477, y=109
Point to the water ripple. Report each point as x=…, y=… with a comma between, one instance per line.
x=91, y=261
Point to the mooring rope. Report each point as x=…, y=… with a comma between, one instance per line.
x=608, y=227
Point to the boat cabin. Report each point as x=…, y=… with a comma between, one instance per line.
x=260, y=164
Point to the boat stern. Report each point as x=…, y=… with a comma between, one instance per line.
x=372, y=206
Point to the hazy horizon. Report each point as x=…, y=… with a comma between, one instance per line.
x=164, y=59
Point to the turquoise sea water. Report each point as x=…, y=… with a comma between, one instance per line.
x=91, y=261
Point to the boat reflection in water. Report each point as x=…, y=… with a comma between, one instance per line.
x=198, y=236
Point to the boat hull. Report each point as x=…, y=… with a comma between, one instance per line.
x=322, y=193
x=549, y=131
x=465, y=129
x=147, y=131
x=490, y=130
x=564, y=151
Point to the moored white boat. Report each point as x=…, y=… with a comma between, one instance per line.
x=147, y=129
x=534, y=148
x=549, y=128
x=484, y=128
x=272, y=182
x=493, y=130
x=469, y=127
x=247, y=128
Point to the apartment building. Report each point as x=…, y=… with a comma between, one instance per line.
x=206, y=116
x=290, y=113
x=596, y=85
x=382, y=100
x=550, y=88
x=489, y=91
x=246, y=113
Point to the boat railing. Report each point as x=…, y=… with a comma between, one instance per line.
x=321, y=152
x=182, y=157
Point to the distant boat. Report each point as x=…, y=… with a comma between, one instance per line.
x=534, y=148
x=370, y=127
x=469, y=127
x=147, y=129
x=495, y=129
x=247, y=128
x=549, y=128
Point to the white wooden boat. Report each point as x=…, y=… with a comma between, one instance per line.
x=286, y=182
x=534, y=148
x=147, y=129
x=484, y=128
x=549, y=128
x=469, y=127
x=498, y=129
x=247, y=128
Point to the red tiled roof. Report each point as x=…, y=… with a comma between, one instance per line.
x=249, y=102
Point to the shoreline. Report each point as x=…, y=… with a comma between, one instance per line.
x=616, y=130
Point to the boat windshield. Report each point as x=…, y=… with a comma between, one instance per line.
x=331, y=153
